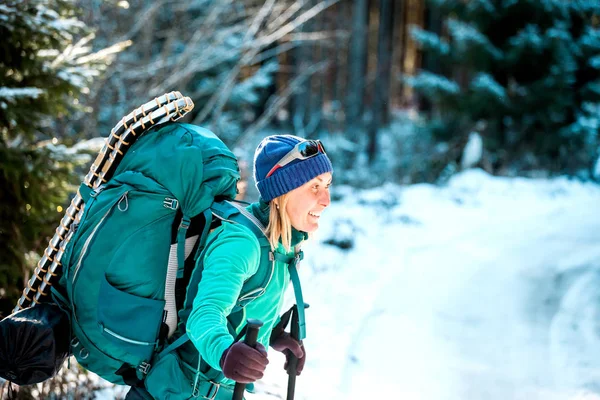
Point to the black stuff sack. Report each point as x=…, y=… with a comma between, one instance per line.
x=34, y=343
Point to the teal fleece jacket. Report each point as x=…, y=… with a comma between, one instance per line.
x=229, y=261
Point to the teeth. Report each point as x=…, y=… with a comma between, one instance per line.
x=314, y=215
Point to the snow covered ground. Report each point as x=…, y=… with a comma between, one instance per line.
x=487, y=288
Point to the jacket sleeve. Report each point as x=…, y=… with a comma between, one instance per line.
x=229, y=261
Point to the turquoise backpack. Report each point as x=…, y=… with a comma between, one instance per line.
x=130, y=261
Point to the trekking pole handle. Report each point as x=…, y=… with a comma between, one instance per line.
x=251, y=338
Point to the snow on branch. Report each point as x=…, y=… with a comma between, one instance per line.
x=484, y=82
x=528, y=38
x=595, y=62
x=12, y=94
x=465, y=34
x=429, y=40
x=432, y=83
x=484, y=5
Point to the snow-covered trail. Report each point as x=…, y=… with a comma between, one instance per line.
x=488, y=288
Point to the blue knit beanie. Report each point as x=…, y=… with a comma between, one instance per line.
x=287, y=178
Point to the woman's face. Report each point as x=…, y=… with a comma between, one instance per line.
x=307, y=202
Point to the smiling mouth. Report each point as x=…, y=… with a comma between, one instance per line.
x=314, y=215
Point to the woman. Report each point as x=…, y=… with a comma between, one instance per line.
x=293, y=176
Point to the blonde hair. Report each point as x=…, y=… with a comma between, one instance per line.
x=280, y=226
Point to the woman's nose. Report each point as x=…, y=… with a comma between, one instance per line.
x=325, y=198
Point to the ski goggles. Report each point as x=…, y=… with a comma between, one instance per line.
x=301, y=151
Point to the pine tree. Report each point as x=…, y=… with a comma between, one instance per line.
x=45, y=67
x=525, y=75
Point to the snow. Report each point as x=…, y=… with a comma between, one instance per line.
x=472, y=152
x=485, y=288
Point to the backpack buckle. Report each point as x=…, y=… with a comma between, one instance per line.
x=144, y=367
x=170, y=203
x=211, y=394
x=97, y=191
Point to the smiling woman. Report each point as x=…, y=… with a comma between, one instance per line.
x=293, y=176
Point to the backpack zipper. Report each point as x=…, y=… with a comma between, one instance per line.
x=124, y=339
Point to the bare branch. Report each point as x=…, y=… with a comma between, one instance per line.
x=286, y=15
x=276, y=102
x=271, y=53
x=260, y=17
x=315, y=36
x=291, y=26
x=143, y=19
x=219, y=99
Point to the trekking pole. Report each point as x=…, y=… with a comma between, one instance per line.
x=293, y=360
x=251, y=337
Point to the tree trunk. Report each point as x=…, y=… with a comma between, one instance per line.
x=433, y=23
x=357, y=58
x=381, y=103
x=317, y=85
x=398, y=60
x=302, y=61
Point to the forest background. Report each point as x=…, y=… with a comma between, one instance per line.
x=402, y=91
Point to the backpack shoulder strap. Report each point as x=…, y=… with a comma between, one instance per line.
x=234, y=212
x=255, y=286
